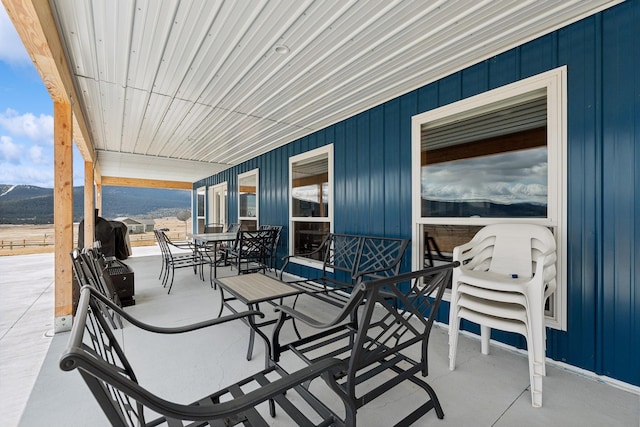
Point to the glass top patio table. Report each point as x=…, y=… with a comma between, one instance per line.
x=203, y=240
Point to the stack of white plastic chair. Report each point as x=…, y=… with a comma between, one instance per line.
x=506, y=274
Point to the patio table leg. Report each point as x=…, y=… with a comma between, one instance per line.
x=252, y=334
x=251, y=331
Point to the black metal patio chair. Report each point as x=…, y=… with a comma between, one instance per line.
x=387, y=320
x=98, y=356
x=172, y=261
x=276, y=239
x=251, y=251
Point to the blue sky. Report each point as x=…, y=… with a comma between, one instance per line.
x=26, y=117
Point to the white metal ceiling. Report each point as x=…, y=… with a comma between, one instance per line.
x=200, y=81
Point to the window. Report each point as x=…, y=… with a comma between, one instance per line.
x=200, y=203
x=495, y=157
x=311, y=201
x=218, y=205
x=248, y=200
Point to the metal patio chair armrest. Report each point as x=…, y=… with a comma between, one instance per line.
x=287, y=259
x=320, y=249
x=177, y=329
x=289, y=312
x=182, y=244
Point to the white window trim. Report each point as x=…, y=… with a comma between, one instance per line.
x=209, y=210
x=200, y=190
x=328, y=150
x=255, y=172
x=212, y=201
x=555, y=83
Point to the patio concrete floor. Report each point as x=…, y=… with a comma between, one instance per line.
x=488, y=390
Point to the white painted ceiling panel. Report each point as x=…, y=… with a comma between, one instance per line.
x=224, y=36
x=349, y=65
x=199, y=80
x=157, y=107
x=280, y=72
x=136, y=101
x=257, y=144
x=223, y=119
x=175, y=114
x=197, y=115
x=254, y=60
x=234, y=67
x=112, y=26
x=113, y=95
x=210, y=127
x=93, y=109
x=81, y=40
x=248, y=144
x=153, y=23
x=191, y=27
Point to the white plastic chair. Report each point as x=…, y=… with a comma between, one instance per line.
x=506, y=273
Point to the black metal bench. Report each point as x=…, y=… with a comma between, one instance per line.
x=345, y=257
x=396, y=315
x=101, y=361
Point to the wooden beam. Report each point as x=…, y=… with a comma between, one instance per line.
x=500, y=144
x=311, y=180
x=63, y=214
x=146, y=183
x=80, y=137
x=97, y=175
x=247, y=189
x=89, y=207
x=33, y=20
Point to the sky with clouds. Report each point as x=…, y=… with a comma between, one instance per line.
x=506, y=178
x=26, y=117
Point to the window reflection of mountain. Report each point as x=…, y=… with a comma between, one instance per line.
x=486, y=209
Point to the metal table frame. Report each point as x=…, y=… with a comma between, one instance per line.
x=252, y=289
x=205, y=240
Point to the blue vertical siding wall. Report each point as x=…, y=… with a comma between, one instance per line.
x=372, y=177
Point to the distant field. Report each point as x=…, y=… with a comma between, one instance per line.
x=35, y=239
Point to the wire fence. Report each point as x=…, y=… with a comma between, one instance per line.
x=142, y=239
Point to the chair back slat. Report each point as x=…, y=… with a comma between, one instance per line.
x=89, y=270
x=342, y=252
x=94, y=348
x=383, y=255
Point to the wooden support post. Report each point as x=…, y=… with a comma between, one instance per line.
x=97, y=178
x=89, y=206
x=99, y=196
x=63, y=214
